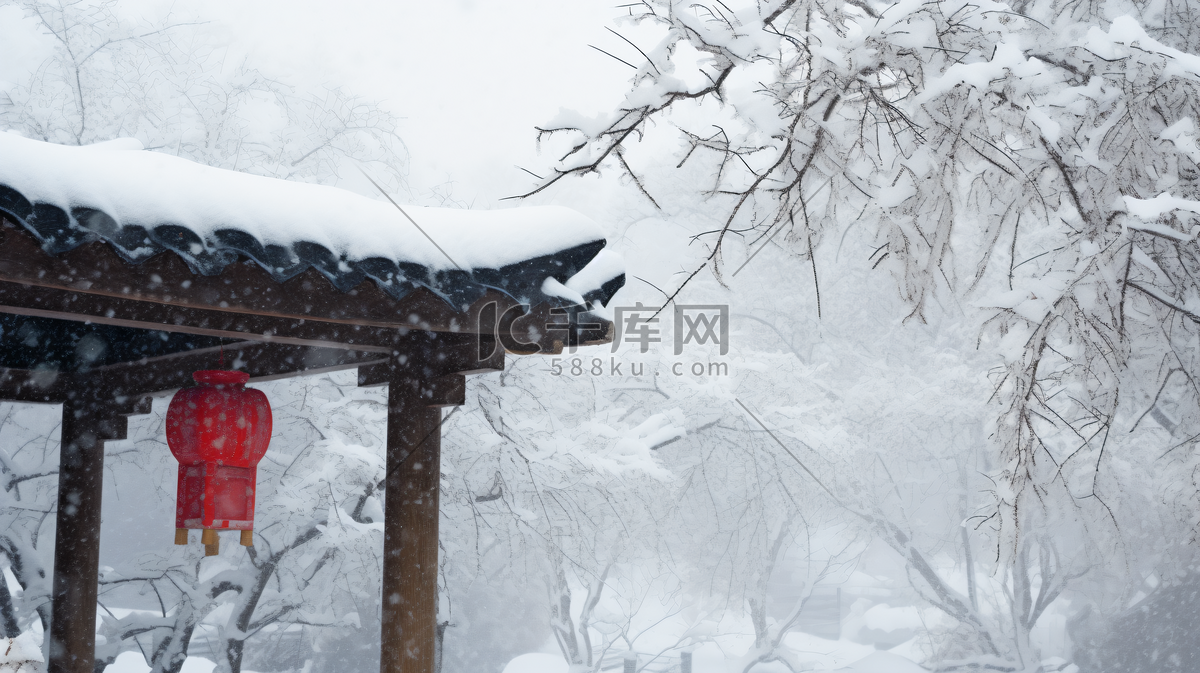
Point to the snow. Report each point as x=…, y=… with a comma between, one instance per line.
x=1152, y=209
x=1163, y=231
x=570, y=119
x=883, y=662
x=134, y=662
x=886, y=618
x=537, y=662
x=604, y=266
x=22, y=654
x=552, y=288
x=827, y=656
x=1183, y=134
x=601, y=432
x=1050, y=129
x=1126, y=35
x=894, y=195
x=1008, y=59
x=139, y=187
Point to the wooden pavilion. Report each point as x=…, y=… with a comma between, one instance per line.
x=123, y=271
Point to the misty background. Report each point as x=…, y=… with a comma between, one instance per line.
x=954, y=423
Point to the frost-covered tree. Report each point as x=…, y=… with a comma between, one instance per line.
x=316, y=559
x=167, y=84
x=1022, y=176
x=29, y=472
x=1028, y=168
x=555, y=503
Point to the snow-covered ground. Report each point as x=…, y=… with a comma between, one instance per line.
x=822, y=655
x=133, y=662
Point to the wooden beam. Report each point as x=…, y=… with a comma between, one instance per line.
x=262, y=361
x=241, y=288
x=423, y=357
x=89, y=418
x=443, y=391
x=31, y=385
x=537, y=329
x=92, y=283
x=410, y=528
x=84, y=307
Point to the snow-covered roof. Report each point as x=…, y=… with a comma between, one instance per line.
x=143, y=203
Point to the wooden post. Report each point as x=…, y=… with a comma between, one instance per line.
x=87, y=423
x=423, y=378
x=410, y=532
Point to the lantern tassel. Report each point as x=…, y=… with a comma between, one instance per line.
x=247, y=538
x=181, y=536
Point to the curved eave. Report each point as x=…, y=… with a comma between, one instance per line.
x=60, y=230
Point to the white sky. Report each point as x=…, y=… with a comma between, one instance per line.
x=471, y=78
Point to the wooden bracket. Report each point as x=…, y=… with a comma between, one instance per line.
x=444, y=391
x=432, y=369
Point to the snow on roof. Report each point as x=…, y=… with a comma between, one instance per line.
x=143, y=203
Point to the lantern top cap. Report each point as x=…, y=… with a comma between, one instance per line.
x=218, y=377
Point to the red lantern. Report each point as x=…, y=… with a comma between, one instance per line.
x=218, y=431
